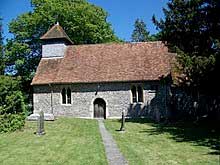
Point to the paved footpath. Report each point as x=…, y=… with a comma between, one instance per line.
x=113, y=154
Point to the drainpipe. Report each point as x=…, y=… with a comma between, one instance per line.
x=51, y=98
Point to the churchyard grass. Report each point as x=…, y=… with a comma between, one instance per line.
x=67, y=141
x=144, y=142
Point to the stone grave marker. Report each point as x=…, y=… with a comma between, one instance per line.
x=40, y=124
x=123, y=121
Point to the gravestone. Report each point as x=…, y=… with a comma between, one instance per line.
x=40, y=124
x=123, y=121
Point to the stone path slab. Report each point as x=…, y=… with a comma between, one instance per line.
x=113, y=154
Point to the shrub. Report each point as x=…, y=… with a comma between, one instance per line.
x=11, y=122
x=12, y=106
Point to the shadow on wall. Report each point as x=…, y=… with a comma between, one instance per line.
x=156, y=108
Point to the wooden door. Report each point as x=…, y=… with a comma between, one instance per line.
x=99, y=109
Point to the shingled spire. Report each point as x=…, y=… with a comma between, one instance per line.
x=55, y=42
x=56, y=32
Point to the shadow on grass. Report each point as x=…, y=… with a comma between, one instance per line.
x=201, y=134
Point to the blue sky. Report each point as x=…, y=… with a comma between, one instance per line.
x=122, y=13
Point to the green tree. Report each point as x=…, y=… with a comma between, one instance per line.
x=155, y=37
x=12, y=106
x=2, y=59
x=140, y=33
x=84, y=23
x=191, y=28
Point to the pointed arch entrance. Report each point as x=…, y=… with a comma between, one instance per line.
x=99, y=108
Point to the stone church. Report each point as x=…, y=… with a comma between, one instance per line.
x=100, y=80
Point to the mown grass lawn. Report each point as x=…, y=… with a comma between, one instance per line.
x=67, y=141
x=144, y=143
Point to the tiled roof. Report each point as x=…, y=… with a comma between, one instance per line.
x=56, y=32
x=106, y=63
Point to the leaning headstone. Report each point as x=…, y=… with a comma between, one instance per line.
x=40, y=124
x=123, y=121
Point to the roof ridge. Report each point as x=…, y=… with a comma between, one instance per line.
x=121, y=43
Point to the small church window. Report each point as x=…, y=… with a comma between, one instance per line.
x=140, y=94
x=134, y=94
x=63, y=96
x=137, y=94
x=66, y=96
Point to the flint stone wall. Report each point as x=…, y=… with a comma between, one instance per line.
x=116, y=95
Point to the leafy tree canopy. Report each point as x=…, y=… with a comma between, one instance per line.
x=11, y=98
x=12, y=106
x=2, y=59
x=140, y=33
x=83, y=22
x=191, y=28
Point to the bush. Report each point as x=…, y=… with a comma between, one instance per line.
x=12, y=106
x=11, y=122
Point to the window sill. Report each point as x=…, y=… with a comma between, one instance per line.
x=152, y=91
x=66, y=105
x=138, y=103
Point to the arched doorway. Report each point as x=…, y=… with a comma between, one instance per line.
x=99, y=108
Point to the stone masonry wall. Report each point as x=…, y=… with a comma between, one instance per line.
x=56, y=49
x=116, y=95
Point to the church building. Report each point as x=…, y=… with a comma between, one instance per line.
x=100, y=80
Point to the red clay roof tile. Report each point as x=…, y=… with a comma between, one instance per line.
x=106, y=63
